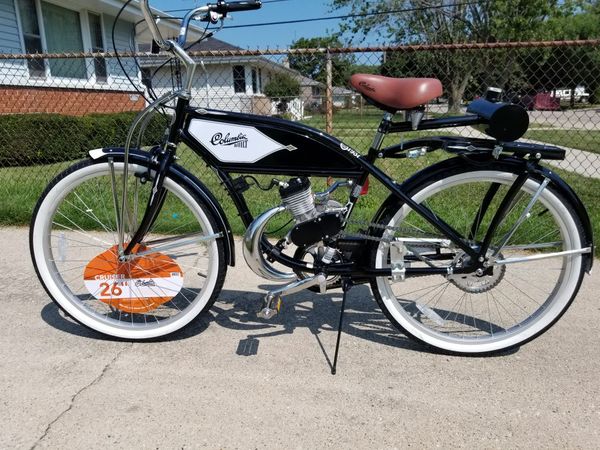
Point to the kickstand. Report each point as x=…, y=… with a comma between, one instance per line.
x=346, y=286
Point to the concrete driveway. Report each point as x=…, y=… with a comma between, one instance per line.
x=232, y=381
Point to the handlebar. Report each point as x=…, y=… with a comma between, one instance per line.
x=221, y=7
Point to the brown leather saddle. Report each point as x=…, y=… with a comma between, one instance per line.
x=395, y=94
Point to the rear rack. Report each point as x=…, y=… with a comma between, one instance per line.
x=461, y=145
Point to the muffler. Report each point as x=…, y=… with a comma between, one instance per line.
x=252, y=248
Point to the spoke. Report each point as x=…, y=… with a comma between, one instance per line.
x=533, y=246
x=439, y=296
x=78, y=230
x=522, y=218
x=487, y=297
x=90, y=213
x=514, y=303
x=422, y=289
x=516, y=322
x=455, y=305
x=521, y=291
x=189, y=266
x=530, y=283
x=87, y=244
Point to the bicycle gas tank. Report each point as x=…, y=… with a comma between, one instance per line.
x=257, y=144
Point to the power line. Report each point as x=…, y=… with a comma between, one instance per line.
x=189, y=9
x=350, y=16
x=346, y=16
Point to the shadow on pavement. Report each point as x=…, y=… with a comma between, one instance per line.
x=237, y=310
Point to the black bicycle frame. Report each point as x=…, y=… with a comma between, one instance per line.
x=223, y=141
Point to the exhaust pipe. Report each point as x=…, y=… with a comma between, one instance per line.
x=252, y=248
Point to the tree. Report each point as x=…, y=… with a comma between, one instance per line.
x=314, y=65
x=572, y=66
x=281, y=89
x=438, y=21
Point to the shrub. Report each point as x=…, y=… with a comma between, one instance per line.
x=281, y=86
x=595, y=96
x=31, y=139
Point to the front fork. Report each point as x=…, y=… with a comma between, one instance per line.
x=163, y=157
x=155, y=202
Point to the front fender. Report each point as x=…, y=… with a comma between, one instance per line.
x=187, y=179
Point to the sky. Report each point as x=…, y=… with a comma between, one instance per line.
x=269, y=36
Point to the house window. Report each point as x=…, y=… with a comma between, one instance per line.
x=97, y=47
x=147, y=77
x=32, y=37
x=239, y=79
x=255, y=87
x=316, y=91
x=260, y=86
x=63, y=34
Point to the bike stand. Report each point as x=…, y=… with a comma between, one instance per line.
x=346, y=286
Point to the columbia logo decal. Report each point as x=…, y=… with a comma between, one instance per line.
x=223, y=140
x=239, y=141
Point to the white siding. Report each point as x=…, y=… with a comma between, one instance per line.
x=10, y=40
x=211, y=89
x=124, y=42
x=15, y=72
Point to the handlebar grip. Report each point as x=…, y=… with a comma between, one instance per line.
x=227, y=7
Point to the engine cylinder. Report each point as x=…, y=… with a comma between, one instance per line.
x=298, y=198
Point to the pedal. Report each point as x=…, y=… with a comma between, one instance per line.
x=272, y=303
x=271, y=308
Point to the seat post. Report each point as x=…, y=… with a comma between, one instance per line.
x=382, y=130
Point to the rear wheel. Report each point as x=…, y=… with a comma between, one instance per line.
x=174, y=274
x=508, y=305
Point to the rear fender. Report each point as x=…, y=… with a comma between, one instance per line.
x=187, y=179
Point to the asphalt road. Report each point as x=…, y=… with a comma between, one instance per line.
x=232, y=381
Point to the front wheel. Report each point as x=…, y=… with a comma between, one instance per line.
x=173, y=275
x=507, y=305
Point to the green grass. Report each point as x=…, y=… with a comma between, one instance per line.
x=20, y=188
x=588, y=140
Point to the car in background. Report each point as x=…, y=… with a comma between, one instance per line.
x=541, y=101
x=579, y=94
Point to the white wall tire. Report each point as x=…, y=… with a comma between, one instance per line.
x=67, y=294
x=409, y=318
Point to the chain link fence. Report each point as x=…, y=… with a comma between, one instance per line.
x=57, y=107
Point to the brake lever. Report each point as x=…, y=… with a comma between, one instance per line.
x=212, y=17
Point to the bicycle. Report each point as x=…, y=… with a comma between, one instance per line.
x=475, y=254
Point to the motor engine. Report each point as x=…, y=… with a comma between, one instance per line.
x=314, y=222
x=298, y=198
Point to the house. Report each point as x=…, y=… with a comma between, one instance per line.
x=343, y=98
x=231, y=83
x=74, y=86
x=79, y=86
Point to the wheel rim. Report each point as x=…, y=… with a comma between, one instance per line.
x=518, y=305
x=76, y=222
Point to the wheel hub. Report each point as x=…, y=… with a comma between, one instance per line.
x=478, y=282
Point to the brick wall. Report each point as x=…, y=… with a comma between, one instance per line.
x=72, y=102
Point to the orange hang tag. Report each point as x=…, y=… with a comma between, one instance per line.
x=138, y=285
